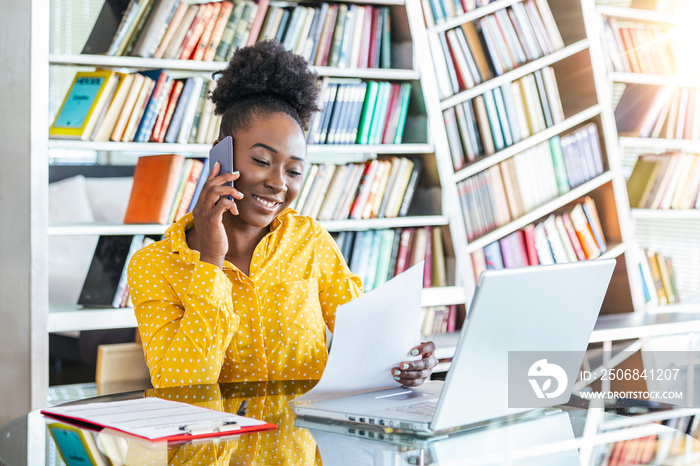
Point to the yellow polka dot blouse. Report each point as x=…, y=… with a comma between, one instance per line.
x=200, y=324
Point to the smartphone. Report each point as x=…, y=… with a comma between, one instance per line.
x=223, y=153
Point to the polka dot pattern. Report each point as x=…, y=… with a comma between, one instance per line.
x=286, y=445
x=200, y=324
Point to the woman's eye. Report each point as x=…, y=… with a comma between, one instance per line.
x=261, y=162
x=294, y=173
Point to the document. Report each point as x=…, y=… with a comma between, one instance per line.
x=156, y=419
x=373, y=334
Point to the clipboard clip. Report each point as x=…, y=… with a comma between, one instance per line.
x=209, y=427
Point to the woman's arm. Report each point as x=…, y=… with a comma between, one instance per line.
x=344, y=286
x=185, y=335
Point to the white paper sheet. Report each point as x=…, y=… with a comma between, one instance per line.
x=373, y=334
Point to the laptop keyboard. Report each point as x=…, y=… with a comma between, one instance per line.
x=426, y=408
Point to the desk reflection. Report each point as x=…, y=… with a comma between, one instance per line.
x=569, y=436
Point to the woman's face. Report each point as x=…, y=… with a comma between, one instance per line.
x=270, y=157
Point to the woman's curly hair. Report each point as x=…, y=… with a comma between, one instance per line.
x=261, y=80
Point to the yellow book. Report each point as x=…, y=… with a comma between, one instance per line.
x=439, y=268
x=83, y=104
x=404, y=175
x=641, y=180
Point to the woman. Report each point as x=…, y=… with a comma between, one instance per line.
x=243, y=289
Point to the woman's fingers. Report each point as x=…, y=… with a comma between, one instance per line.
x=414, y=373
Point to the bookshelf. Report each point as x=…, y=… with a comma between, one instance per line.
x=576, y=66
x=27, y=177
x=671, y=232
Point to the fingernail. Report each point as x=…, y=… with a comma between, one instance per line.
x=405, y=366
x=236, y=172
x=414, y=352
x=397, y=372
x=397, y=378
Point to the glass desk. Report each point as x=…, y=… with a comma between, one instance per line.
x=575, y=434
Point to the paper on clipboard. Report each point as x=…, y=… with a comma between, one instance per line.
x=157, y=419
x=373, y=333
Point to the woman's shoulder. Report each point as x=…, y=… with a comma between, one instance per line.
x=152, y=254
x=292, y=221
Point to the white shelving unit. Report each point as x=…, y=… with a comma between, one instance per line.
x=69, y=318
x=671, y=232
x=581, y=85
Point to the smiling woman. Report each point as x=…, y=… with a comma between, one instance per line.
x=243, y=289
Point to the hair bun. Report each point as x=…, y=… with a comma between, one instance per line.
x=268, y=69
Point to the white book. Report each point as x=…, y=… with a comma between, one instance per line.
x=191, y=108
x=550, y=24
x=461, y=57
x=555, y=242
x=356, y=43
x=306, y=188
x=565, y=240
x=335, y=190
x=342, y=211
x=544, y=251
x=521, y=111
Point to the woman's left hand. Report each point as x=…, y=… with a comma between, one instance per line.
x=414, y=373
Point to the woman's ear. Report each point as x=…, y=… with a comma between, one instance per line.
x=215, y=142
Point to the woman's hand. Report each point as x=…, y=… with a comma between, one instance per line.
x=414, y=373
x=208, y=215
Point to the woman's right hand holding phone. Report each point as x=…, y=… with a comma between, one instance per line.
x=208, y=215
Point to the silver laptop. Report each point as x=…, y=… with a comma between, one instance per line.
x=520, y=349
x=546, y=439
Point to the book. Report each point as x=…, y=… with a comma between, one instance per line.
x=154, y=28
x=161, y=90
x=639, y=108
x=104, y=130
x=139, y=109
x=106, y=26
x=583, y=232
x=162, y=124
x=172, y=28
x=191, y=185
x=156, y=179
x=82, y=106
x=107, y=267
x=127, y=108
x=656, y=277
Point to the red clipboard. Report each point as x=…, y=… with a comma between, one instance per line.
x=156, y=420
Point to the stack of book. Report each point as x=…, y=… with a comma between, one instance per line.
x=665, y=181
x=106, y=281
x=648, y=111
x=492, y=45
x=165, y=188
x=636, y=48
x=378, y=255
x=658, y=279
x=338, y=35
x=380, y=188
x=149, y=106
x=438, y=319
x=503, y=116
x=358, y=112
x=510, y=189
x=574, y=234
